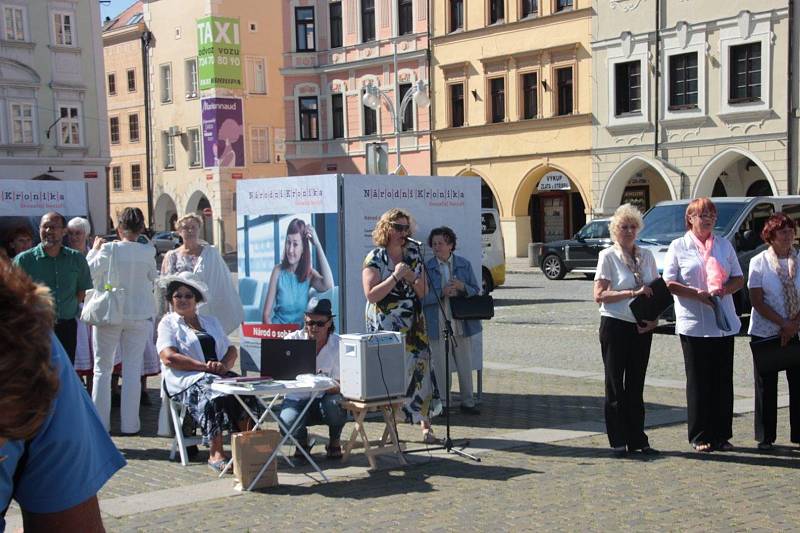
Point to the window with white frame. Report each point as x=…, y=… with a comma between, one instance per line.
x=305, y=33
x=259, y=144
x=136, y=176
x=112, y=83
x=64, y=29
x=745, y=73
x=168, y=150
x=14, y=23
x=116, y=178
x=256, y=75
x=165, y=73
x=21, y=123
x=195, y=150
x=190, y=76
x=70, y=125
x=746, y=67
x=309, y=118
x=628, y=87
x=133, y=127
x=131, y=73
x=113, y=126
x=683, y=88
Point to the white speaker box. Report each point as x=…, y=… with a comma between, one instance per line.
x=372, y=366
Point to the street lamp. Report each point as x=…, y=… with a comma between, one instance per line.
x=418, y=93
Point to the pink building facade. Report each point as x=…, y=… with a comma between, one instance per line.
x=333, y=49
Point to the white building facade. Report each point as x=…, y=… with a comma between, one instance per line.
x=696, y=104
x=52, y=99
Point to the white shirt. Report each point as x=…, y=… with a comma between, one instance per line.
x=763, y=276
x=611, y=267
x=684, y=264
x=175, y=333
x=134, y=270
x=446, y=271
x=327, y=359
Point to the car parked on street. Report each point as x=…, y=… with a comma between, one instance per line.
x=164, y=241
x=578, y=254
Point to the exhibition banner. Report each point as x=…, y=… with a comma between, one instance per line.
x=25, y=198
x=219, y=63
x=289, y=255
x=432, y=201
x=223, y=132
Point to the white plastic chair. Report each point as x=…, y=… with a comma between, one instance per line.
x=177, y=412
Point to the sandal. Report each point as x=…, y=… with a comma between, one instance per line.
x=333, y=452
x=702, y=447
x=219, y=466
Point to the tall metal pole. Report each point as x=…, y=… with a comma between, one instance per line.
x=398, y=119
x=146, y=40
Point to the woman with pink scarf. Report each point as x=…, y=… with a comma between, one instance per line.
x=702, y=272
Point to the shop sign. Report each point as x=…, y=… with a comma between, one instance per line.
x=554, y=181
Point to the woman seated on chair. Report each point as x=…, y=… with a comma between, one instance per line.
x=195, y=352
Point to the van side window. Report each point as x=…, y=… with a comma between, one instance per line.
x=488, y=224
x=749, y=235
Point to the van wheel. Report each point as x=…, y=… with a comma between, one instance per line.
x=487, y=282
x=553, y=267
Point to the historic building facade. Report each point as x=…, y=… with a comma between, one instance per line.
x=124, y=87
x=52, y=105
x=692, y=101
x=512, y=104
x=334, y=50
x=216, y=102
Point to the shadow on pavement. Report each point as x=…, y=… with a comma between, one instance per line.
x=507, y=302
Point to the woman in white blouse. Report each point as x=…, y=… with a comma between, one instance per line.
x=624, y=272
x=702, y=272
x=775, y=293
x=133, y=268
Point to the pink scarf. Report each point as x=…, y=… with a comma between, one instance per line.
x=716, y=275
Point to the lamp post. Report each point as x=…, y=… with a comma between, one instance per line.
x=418, y=93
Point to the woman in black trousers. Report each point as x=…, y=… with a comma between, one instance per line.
x=775, y=293
x=702, y=272
x=623, y=273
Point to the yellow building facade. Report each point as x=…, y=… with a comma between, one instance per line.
x=511, y=103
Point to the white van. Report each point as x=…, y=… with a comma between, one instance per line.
x=493, y=251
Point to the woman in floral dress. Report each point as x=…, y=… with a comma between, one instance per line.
x=394, y=285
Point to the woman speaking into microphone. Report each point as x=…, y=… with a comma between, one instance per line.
x=394, y=285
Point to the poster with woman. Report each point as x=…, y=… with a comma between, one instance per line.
x=288, y=241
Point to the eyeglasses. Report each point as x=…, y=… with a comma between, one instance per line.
x=400, y=227
x=629, y=228
x=318, y=323
x=183, y=296
x=707, y=216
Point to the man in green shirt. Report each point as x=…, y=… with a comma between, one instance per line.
x=62, y=269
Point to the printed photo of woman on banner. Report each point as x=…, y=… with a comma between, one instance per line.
x=288, y=260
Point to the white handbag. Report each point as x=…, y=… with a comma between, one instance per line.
x=105, y=307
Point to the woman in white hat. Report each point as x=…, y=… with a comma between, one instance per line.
x=195, y=352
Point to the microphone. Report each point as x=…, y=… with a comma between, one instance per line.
x=413, y=241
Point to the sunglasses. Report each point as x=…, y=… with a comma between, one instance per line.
x=400, y=227
x=318, y=323
x=183, y=296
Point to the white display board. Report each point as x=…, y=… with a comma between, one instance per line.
x=432, y=201
x=34, y=198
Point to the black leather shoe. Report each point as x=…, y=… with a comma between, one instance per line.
x=647, y=450
x=765, y=446
x=470, y=410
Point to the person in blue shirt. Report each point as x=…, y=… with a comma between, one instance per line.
x=54, y=453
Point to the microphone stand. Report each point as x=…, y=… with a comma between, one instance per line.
x=448, y=445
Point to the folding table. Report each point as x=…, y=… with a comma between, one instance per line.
x=267, y=395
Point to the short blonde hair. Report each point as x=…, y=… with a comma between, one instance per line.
x=187, y=217
x=625, y=213
x=380, y=235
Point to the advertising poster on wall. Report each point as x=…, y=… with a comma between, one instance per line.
x=288, y=242
x=432, y=201
x=219, y=63
x=223, y=132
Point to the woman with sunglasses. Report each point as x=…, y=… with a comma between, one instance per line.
x=291, y=279
x=195, y=352
x=702, y=272
x=624, y=272
x=394, y=285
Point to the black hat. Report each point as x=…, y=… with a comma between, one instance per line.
x=319, y=307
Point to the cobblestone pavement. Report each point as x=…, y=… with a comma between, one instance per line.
x=545, y=463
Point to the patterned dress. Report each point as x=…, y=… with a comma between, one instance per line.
x=401, y=311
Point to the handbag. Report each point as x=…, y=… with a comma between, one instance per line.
x=770, y=357
x=105, y=307
x=478, y=307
